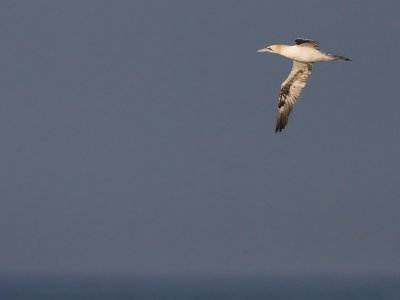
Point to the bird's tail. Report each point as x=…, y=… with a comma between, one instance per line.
x=338, y=57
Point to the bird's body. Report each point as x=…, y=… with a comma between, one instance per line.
x=304, y=54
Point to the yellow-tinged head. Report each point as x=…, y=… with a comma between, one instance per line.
x=272, y=49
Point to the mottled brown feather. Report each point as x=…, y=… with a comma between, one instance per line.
x=290, y=92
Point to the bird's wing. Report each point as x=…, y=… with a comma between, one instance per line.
x=307, y=43
x=290, y=91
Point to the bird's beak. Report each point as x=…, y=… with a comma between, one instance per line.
x=263, y=50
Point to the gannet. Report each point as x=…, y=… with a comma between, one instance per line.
x=304, y=54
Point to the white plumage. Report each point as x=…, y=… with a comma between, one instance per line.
x=304, y=54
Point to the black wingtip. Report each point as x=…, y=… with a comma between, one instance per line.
x=279, y=128
x=339, y=57
x=300, y=41
x=281, y=121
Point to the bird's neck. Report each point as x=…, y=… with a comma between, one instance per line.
x=280, y=48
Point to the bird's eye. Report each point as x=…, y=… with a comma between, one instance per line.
x=269, y=48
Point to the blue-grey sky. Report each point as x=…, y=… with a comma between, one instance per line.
x=138, y=136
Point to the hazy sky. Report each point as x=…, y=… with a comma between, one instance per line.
x=138, y=136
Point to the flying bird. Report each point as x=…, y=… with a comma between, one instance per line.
x=304, y=54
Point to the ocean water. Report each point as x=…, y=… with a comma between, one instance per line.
x=198, y=288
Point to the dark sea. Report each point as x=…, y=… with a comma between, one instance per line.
x=198, y=288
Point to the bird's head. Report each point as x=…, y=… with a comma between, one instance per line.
x=272, y=49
